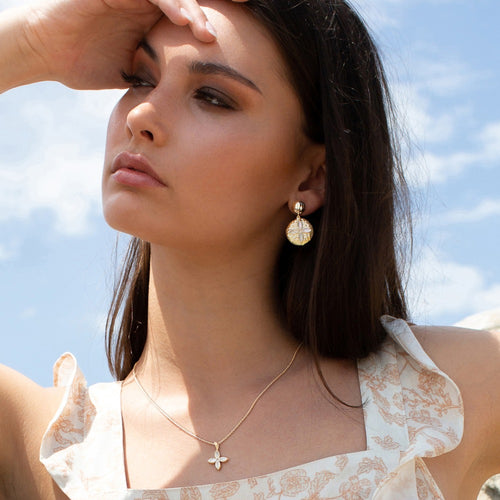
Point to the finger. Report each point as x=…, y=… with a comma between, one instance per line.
x=200, y=25
x=188, y=13
x=172, y=10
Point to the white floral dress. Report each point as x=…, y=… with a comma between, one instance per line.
x=412, y=410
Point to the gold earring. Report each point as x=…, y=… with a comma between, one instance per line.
x=299, y=231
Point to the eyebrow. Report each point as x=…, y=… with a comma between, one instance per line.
x=211, y=68
x=146, y=47
x=203, y=67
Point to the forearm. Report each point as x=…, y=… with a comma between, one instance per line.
x=19, y=62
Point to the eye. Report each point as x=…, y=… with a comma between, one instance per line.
x=135, y=81
x=215, y=98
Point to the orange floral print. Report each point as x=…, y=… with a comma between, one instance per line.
x=355, y=489
x=294, y=482
x=321, y=479
x=153, y=495
x=386, y=442
x=341, y=461
x=222, y=491
x=191, y=493
x=252, y=482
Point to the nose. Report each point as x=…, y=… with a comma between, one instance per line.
x=144, y=124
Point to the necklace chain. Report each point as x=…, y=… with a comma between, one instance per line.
x=218, y=459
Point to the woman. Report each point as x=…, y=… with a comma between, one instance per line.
x=248, y=366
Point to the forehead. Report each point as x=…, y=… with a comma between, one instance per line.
x=242, y=43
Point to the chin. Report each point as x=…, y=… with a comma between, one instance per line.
x=123, y=215
x=118, y=224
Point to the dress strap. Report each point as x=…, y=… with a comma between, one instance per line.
x=82, y=447
x=432, y=401
x=382, y=396
x=432, y=408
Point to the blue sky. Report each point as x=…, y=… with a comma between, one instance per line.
x=56, y=253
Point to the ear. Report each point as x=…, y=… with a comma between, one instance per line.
x=311, y=186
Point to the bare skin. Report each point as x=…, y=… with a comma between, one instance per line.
x=212, y=318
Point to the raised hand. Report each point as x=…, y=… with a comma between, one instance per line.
x=85, y=43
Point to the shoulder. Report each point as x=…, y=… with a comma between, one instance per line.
x=465, y=345
x=471, y=358
x=25, y=411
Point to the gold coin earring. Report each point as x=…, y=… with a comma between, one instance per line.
x=299, y=231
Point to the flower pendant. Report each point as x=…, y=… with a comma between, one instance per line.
x=217, y=460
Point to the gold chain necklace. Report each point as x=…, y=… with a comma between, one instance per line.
x=217, y=460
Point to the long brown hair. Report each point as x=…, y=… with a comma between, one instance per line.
x=333, y=291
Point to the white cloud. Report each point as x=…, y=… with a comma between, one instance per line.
x=490, y=141
x=58, y=178
x=6, y=4
x=442, y=77
x=61, y=167
x=97, y=324
x=434, y=109
x=442, y=287
x=98, y=104
x=484, y=209
x=419, y=118
x=441, y=167
x=429, y=124
x=375, y=14
x=485, y=320
x=438, y=168
x=382, y=13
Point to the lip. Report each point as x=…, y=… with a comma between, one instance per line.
x=132, y=169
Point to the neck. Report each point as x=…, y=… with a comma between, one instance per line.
x=208, y=323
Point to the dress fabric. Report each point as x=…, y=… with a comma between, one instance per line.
x=412, y=410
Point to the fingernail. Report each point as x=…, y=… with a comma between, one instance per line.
x=210, y=29
x=186, y=14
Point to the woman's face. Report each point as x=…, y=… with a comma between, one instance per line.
x=206, y=149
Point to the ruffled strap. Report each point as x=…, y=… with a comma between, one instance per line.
x=70, y=424
x=434, y=416
x=80, y=461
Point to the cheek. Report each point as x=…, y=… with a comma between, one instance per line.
x=247, y=156
x=242, y=178
x=113, y=209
